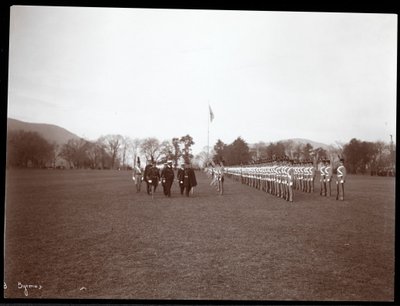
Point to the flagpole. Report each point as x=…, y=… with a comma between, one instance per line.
x=208, y=133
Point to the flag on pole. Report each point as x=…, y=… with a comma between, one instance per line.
x=211, y=114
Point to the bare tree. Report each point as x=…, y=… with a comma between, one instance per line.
x=112, y=145
x=150, y=148
x=126, y=144
x=105, y=157
x=75, y=152
x=96, y=154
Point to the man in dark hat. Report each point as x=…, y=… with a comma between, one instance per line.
x=146, y=174
x=152, y=177
x=167, y=177
x=180, y=176
x=340, y=180
x=189, y=179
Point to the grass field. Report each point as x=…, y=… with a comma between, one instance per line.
x=88, y=234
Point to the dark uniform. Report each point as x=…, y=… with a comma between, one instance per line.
x=152, y=176
x=189, y=179
x=167, y=177
x=180, y=177
x=146, y=175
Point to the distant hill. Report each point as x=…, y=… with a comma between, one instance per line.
x=52, y=133
x=301, y=141
x=311, y=142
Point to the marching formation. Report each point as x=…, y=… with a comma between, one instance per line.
x=281, y=177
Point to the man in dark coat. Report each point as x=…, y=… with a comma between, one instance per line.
x=180, y=176
x=152, y=177
x=167, y=177
x=162, y=176
x=189, y=179
x=146, y=174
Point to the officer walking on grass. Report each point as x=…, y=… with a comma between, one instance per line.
x=146, y=174
x=152, y=176
x=189, y=179
x=180, y=176
x=167, y=177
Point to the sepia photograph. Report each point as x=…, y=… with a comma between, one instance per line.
x=200, y=155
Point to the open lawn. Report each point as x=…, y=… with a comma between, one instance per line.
x=88, y=234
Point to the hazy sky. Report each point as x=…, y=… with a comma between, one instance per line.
x=152, y=73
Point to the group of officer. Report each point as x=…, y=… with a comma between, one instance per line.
x=280, y=177
x=153, y=177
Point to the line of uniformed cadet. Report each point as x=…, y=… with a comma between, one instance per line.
x=277, y=177
x=281, y=177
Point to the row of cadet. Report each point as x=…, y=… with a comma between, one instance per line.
x=152, y=176
x=282, y=177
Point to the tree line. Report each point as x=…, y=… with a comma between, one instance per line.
x=239, y=152
x=30, y=149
